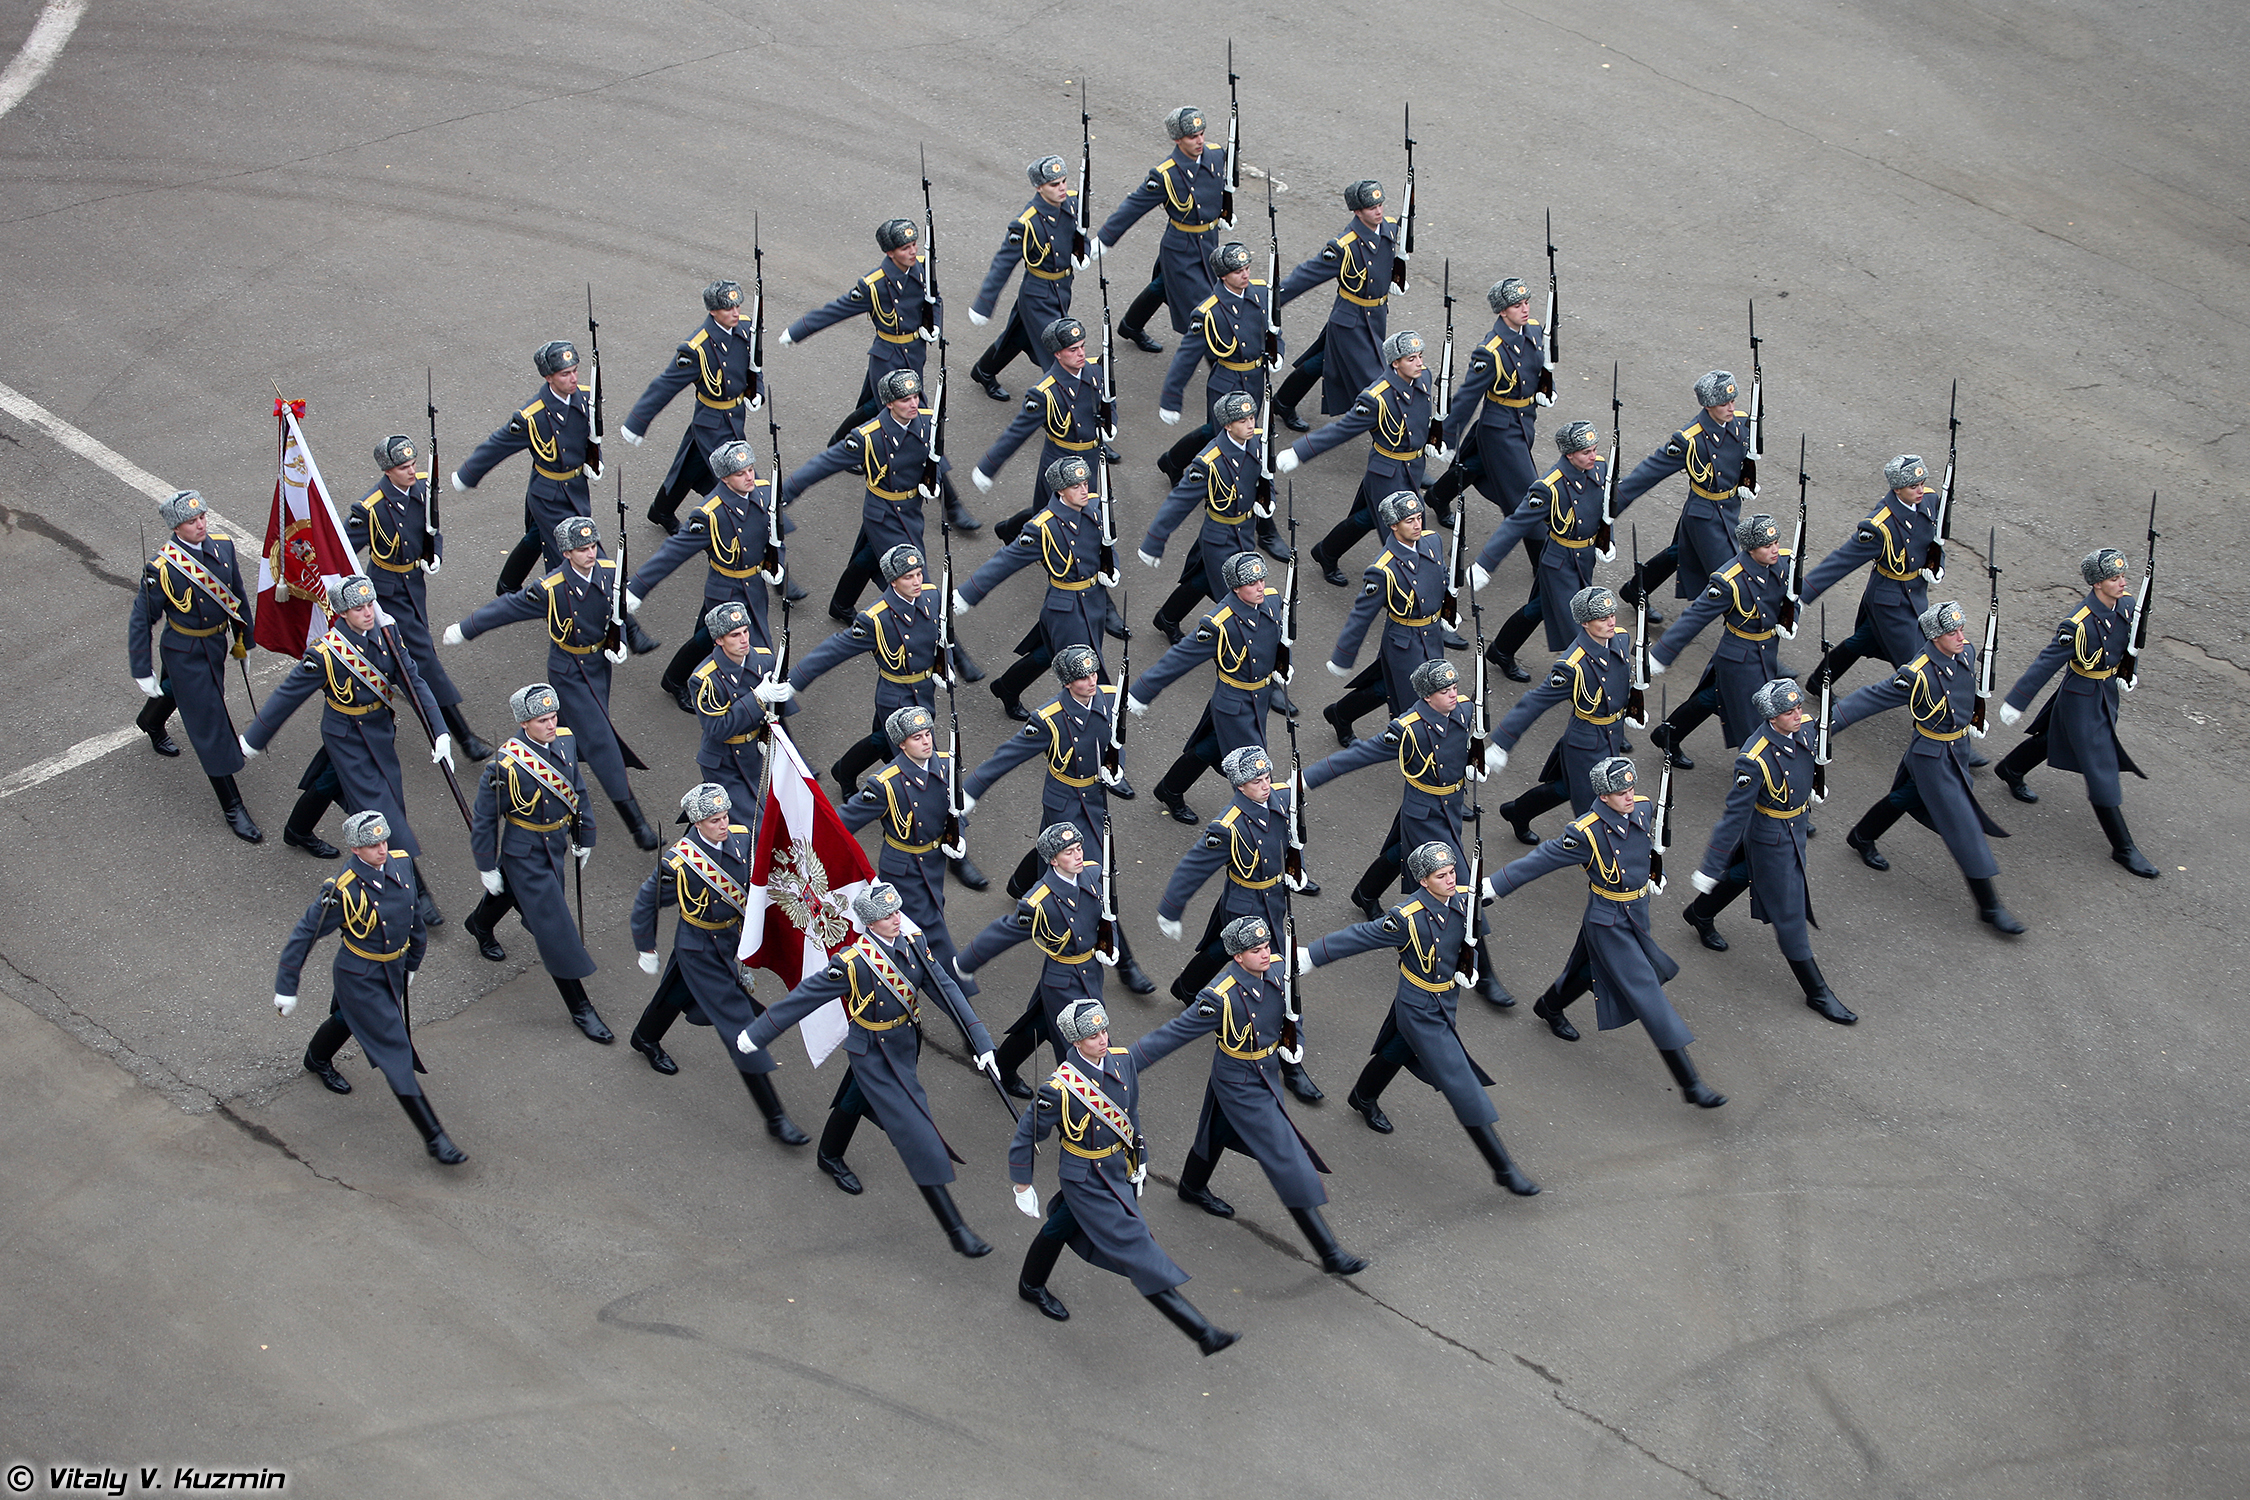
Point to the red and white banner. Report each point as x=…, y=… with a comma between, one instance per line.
x=806, y=871
x=307, y=548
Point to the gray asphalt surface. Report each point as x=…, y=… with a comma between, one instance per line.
x=1988, y=1243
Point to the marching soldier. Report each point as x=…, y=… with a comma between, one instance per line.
x=1405, y=584
x=736, y=696
x=1420, y=1033
x=901, y=629
x=2077, y=730
x=1064, y=408
x=1394, y=412
x=1429, y=746
x=1190, y=184
x=358, y=677
x=1039, y=239
x=1347, y=357
x=891, y=297
x=1245, y=1007
x=1073, y=733
x=730, y=529
x=1061, y=916
x=1896, y=539
x=704, y=876
x=1934, y=783
x=554, y=428
x=1493, y=415
x=1065, y=539
x=889, y=453
x=1747, y=594
x=1561, y=519
x=194, y=585
x=531, y=816
x=1223, y=481
x=1616, y=955
x=716, y=361
x=908, y=796
x=579, y=603
x=1228, y=329
x=1710, y=450
x=375, y=901
x=1094, y=1101
x=391, y=525
x=878, y=976
x=1595, y=676
x=1759, y=845
x=1242, y=637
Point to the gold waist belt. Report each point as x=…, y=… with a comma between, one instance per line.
x=558, y=473
x=379, y=958
x=537, y=827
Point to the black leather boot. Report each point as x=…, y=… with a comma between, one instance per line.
x=1697, y=914
x=1692, y=1088
x=2121, y=847
x=652, y=1049
x=639, y=641
x=1489, y=988
x=778, y=1123
x=463, y=736
x=1549, y=1008
x=1666, y=738
x=434, y=1138
x=1188, y=1320
x=320, y=1054
x=582, y=1012
x=835, y=1140
x=301, y=830
x=155, y=715
x=1504, y=1170
x=1334, y=1258
x=478, y=924
x=957, y=514
x=1129, y=969
x=1195, y=1187
x=2013, y=779
x=1299, y=1082
x=1373, y=1079
x=957, y=1234
x=237, y=816
x=965, y=870
x=1031, y=1281
x=1990, y=911
x=629, y=809
x=964, y=665
x=425, y=900
x=1139, y=339
x=1817, y=993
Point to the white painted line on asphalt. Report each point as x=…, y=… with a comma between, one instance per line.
x=39, y=51
x=16, y=404
x=70, y=760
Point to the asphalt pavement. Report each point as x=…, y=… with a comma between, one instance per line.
x=1987, y=1243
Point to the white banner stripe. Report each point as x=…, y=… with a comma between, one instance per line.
x=39, y=51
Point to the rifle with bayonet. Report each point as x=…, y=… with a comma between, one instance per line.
x=1441, y=393
x=614, y=639
x=430, y=526
x=1284, y=666
x=1605, y=535
x=1113, y=752
x=1082, y=226
x=755, y=394
x=1105, y=404
x=1660, y=821
x=1106, y=949
x=1636, y=700
x=1985, y=658
x=1405, y=212
x=1234, y=143
x=1457, y=581
x=1554, y=317
x=777, y=544
x=1107, y=575
x=1465, y=961
x=1293, y=857
x=1261, y=497
x=1793, y=597
x=1480, y=722
x=930, y=329
x=1933, y=565
x=1273, y=283
x=1757, y=444
x=2129, y=666
x=1827, y=714
x=593, y=389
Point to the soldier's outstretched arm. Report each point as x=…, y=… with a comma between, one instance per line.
x=1708, y=606
x=527, y=603
x=657, y=892
x=1364, y=611
x=1858, y=550
x=1734, y=820
x=815, y=991
x=1875, y=698
x=287, y=697
x=1568, y=849
x=1517, y=721
x=1386, y=931
x=319, y=920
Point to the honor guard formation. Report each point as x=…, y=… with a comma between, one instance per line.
x=1431, y=892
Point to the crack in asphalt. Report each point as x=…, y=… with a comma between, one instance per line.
x=263, y=1136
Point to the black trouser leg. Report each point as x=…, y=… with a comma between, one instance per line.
x=1201, y=968
x=657, y=1019
x=2021, y=761
x=1360, y=700
x=305, y=816
x=1513, y=633
x=1021, y=674
x=1298, y=386
x=156, y=713
x=1182, y=453
x=1181, y=777
x=1376, y=879
x=684, y=661
x=1188, y=1320
x=836, y=1135
x=1877, y=821
x=1015, y=1050
x=1173, y=612
x=1144, y=307
x=1374, y=1078
x=521, y=559
x=1532, y=803
x=326, y=1038
x=1027, y=873
x=855, y=761
x=1343, y=536
x=1650, y=574
x=1039, y=1261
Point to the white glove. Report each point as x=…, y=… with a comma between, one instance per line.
x=1107, y=580
x=594, y=471
x=1816, y=799
x=581, y=853
x=1654, y=887
x=1745, y=492
x=786, y=340
x=1168, y=418
x=978, y=318
x=742, y=1042
x=442, y=749
x=1169, y=928
x=958, y=971
x=286, y=1004
x=1656, y=669
x=632, y=602
x=1286, y=461
x=617, y=658
x=968, y=804
x=960, y=603
x=773, y=690
x=2120, y=681
x=430, y=566
x=492, y=881
x=1144, y=555
x=148, y=684
x=1283, y=679
x=453, y=635
x=1476, y=773
x=630, y=436
x=1135, y=706
x=1494, y=757
x=649, y=964
x=1543, y=398
x=1336, y=671
x=1304, y=961
x=1290, y=1055
x=1488, y=893
x=2009, y=713
x=249, y=751
x=1478, y=577
x=459, y=485
x=1099, y=248
x=986, y=1064
x=981, y=480
x=1027, y=1196
x=1437, y=451
x=1703, y=882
